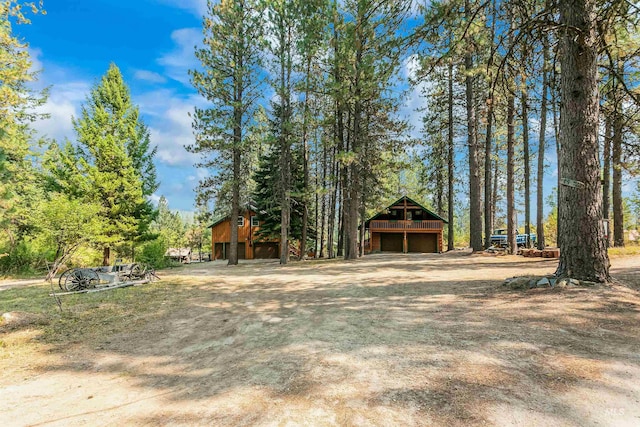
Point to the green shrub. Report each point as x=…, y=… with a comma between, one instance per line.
x=24, y=259
x=152, y=253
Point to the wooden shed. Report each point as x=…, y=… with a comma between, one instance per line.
x=249, y=246
x=405, y=226
x=182, y=255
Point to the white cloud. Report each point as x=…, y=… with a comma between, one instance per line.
x=63, y=104
x=36, y=64
x=154, y=198
x=170, y=125
x=415, y=98
x=411, y=66
x=149, y=76
x=182, y=58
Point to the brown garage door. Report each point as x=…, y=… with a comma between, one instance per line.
x=391, y=242
x=426, y=243
x=266, y=250
x=222, y=251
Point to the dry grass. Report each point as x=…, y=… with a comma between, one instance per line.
x=625, y=251
x=389, y=340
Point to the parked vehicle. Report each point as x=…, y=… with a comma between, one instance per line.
x=499, y=238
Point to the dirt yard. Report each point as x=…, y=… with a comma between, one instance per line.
x=388, y=340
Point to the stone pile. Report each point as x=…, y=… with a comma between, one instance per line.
x=530, y=282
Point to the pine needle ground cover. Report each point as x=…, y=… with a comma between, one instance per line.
x=388, y=340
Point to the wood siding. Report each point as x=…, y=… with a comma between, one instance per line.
x=376, y=225
x=221, y=233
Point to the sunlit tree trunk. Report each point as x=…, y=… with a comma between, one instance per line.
x=583, y=253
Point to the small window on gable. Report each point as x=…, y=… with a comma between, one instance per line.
x=240, y=221
x=254, y=221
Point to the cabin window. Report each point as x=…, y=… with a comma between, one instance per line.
x=409, y=216
x=240, y=221
x=254, y=221
x=394, y=213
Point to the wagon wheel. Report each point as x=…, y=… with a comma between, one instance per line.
x=137, y=272
x=63, y=278
x=81, y=278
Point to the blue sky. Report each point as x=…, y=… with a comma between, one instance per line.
x=152, y=41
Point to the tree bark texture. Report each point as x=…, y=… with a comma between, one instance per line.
x=475, y=205
x=541, y=148
x=450, y=162
x=583, y=253
x=527, y=167
x=616, y=158
x=512, y=227
x=487, y=175
x=606, y=172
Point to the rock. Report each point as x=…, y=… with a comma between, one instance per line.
x=588, y=283
x=518, y=282
x=562, y=283
x=574, y=282
x=552, y=282
x=19, y=319
x=543, y=282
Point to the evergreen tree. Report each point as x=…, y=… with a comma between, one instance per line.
x=17, y=189
x=114, y=157
x=169, y=225
x=230, y=82
x=267, y=196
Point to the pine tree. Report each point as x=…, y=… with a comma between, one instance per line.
x=230, y=81
x=583, y=252
x=113, y=156
x=267, y=195
x=16, y=113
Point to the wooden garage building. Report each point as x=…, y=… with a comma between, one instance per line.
x=249, y=246
x=405, y=226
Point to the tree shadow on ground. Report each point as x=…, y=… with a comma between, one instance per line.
x=383, y=351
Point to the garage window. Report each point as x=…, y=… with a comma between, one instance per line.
x=254, y=221
x=240, y=221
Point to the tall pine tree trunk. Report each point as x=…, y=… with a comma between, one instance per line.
x=235, y=199
x=285, y=141
x=527, y=167
x=494, y=191
x=556, y=128
x=475, y=205
x=332, y=207
x=487, y=175
x=325, y=193
x=305, y=162
x=606, y=173
x=512, y=227
x=475, y=190
x=541, y=147
x=616, y=147
x=488, y=214
x=583, y=253
x=450, y=161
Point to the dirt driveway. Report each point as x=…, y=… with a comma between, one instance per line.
x=388, y=340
